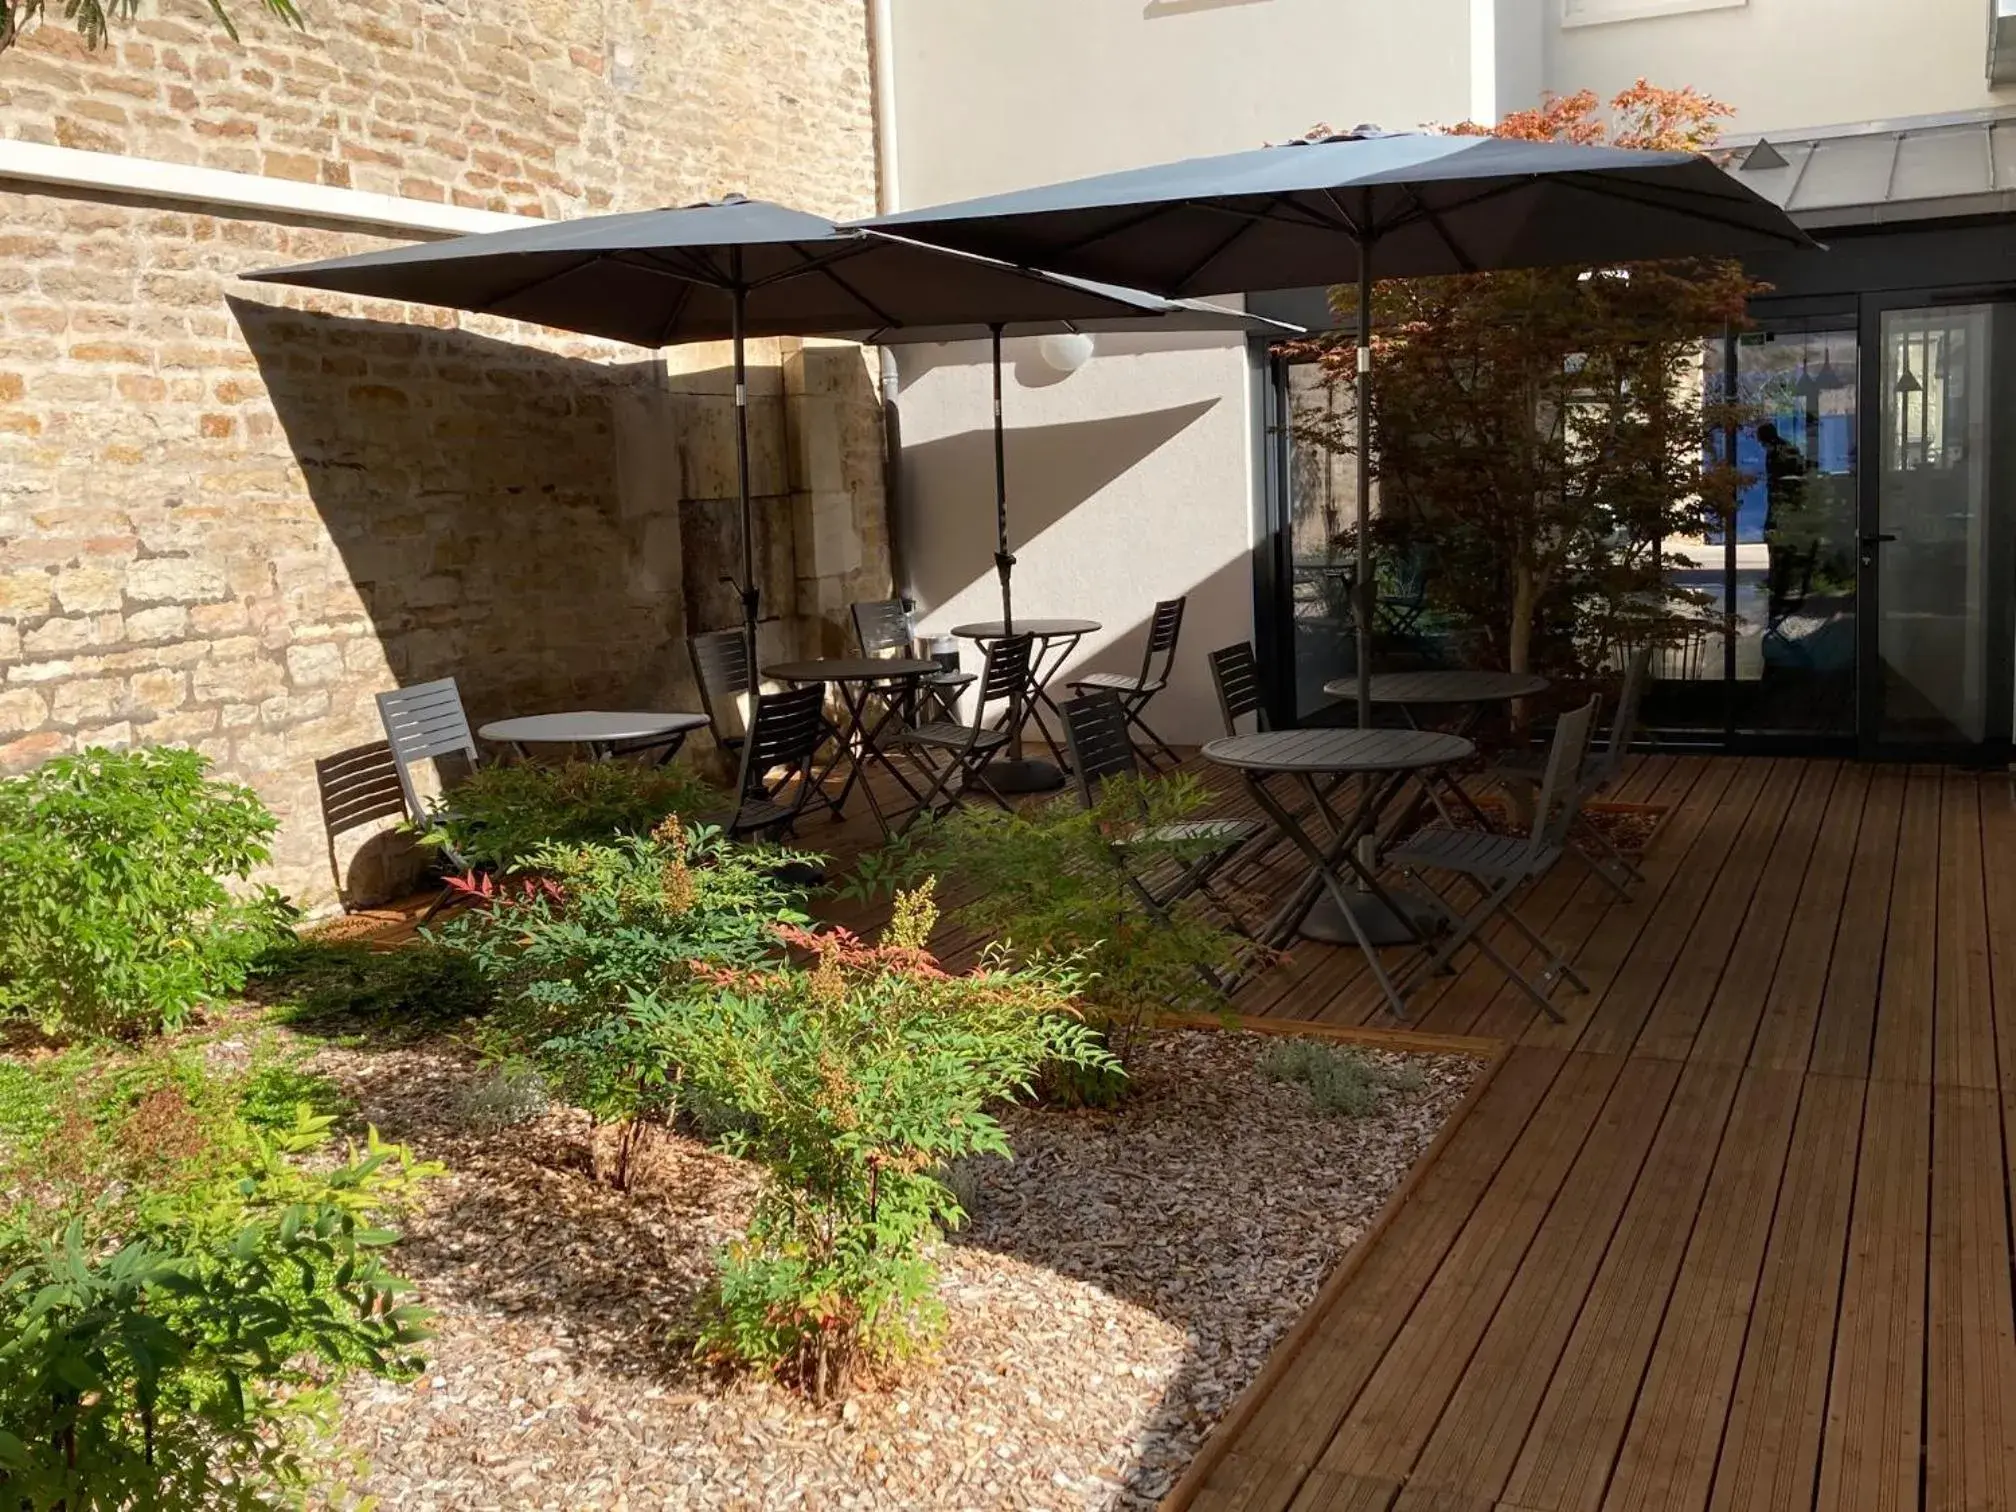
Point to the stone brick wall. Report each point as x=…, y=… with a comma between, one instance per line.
x=541, y=107
x=229, y=514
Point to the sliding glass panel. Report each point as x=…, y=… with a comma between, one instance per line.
x=1322, y=503
x=1796, y=533
x=1931, y=551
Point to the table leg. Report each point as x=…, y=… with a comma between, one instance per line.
x=1323, y=873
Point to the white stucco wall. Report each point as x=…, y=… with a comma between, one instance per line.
x=999, y=94
x=1787, y=65
x=1127, y=483
x=1131, y=480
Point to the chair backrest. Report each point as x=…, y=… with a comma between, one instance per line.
x=784, y=732
x=1095, y=735
x=721, y=667
x=1237, y=675
x=425, y=723
x=883, y=625
x=1624, y=721
x=357, y=787
x=1006, y=674
x=1559, y=797
x=1165, y=625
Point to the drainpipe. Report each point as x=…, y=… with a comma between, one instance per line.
x=882, y=60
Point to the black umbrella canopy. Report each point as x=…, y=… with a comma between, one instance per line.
x=1146, y=312
x=727, y=270
x=1360, y=204
x=1293, y=216
x=663, y=277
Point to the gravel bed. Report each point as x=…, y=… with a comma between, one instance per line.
x=1120, y=1282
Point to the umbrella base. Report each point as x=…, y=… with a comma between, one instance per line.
x=1326, y=922
x=1024, y=776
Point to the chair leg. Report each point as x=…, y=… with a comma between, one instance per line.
x=1606, y=853
x=1157, y=749
x=939, y=778
x=1467, y=929
x=1601, y=870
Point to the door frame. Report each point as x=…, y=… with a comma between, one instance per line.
x=1999, y=627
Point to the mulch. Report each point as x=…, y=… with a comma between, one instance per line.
x=1117, y=1286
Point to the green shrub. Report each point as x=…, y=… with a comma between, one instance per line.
x=858, y=1081
x=1340, y=1080
x=1045, y=884
x=114, y=913
x=334, y=987
x=501, y=814
x=566, y=950
x=185, y=1278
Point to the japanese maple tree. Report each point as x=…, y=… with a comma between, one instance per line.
x=1541, y=431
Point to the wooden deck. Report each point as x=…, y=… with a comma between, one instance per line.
x=1734, y=1237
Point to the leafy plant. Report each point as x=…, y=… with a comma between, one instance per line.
x=184, y=1280
x=115, y=916
x=326, y=986
x=567, y=948
x=858, y=1079
x=1046, y=884
x=1539, y=434
x=94, y=18
x=1340, y=1080
x=499, y=815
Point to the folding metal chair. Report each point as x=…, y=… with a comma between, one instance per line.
x=1235, y=672
x=1196, y=850
x=426, y=722
x=884, y=625
x=945, y=750
x=357, y=787
x=1498, y=866
x=1518, y=774
x=727, y=683
x=1400, y=611
x=785, y=730
x=1164, y=627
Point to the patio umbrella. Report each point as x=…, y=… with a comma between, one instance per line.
x=1151, y=312
x=725, y=270
x=1324, y=210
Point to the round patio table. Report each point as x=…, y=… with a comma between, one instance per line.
x=1425, y=696
x=854, y=680
x=1366, y=913
x=601, y=732
x=1055, y=640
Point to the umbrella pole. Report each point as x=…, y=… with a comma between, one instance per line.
x=1363, y=417
x=1017, y=772
x=1373, y=920
x=1004, y=560
x=752, y=595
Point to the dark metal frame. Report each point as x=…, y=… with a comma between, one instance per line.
x=1862, y=276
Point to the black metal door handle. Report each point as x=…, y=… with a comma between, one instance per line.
x=1877, y=540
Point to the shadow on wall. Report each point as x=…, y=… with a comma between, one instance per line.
x=1186, y=711
x=544, y=529
x=500, y=513
x=1052, y=470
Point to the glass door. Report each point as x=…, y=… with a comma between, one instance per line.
x=1936, y=547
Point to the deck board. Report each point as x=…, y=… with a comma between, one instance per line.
x=1771, y=1450
x=1568, y=1453
x=1736, y=1237
x=1875, y=1400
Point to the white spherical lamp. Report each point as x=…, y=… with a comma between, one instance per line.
x=1065, y=352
